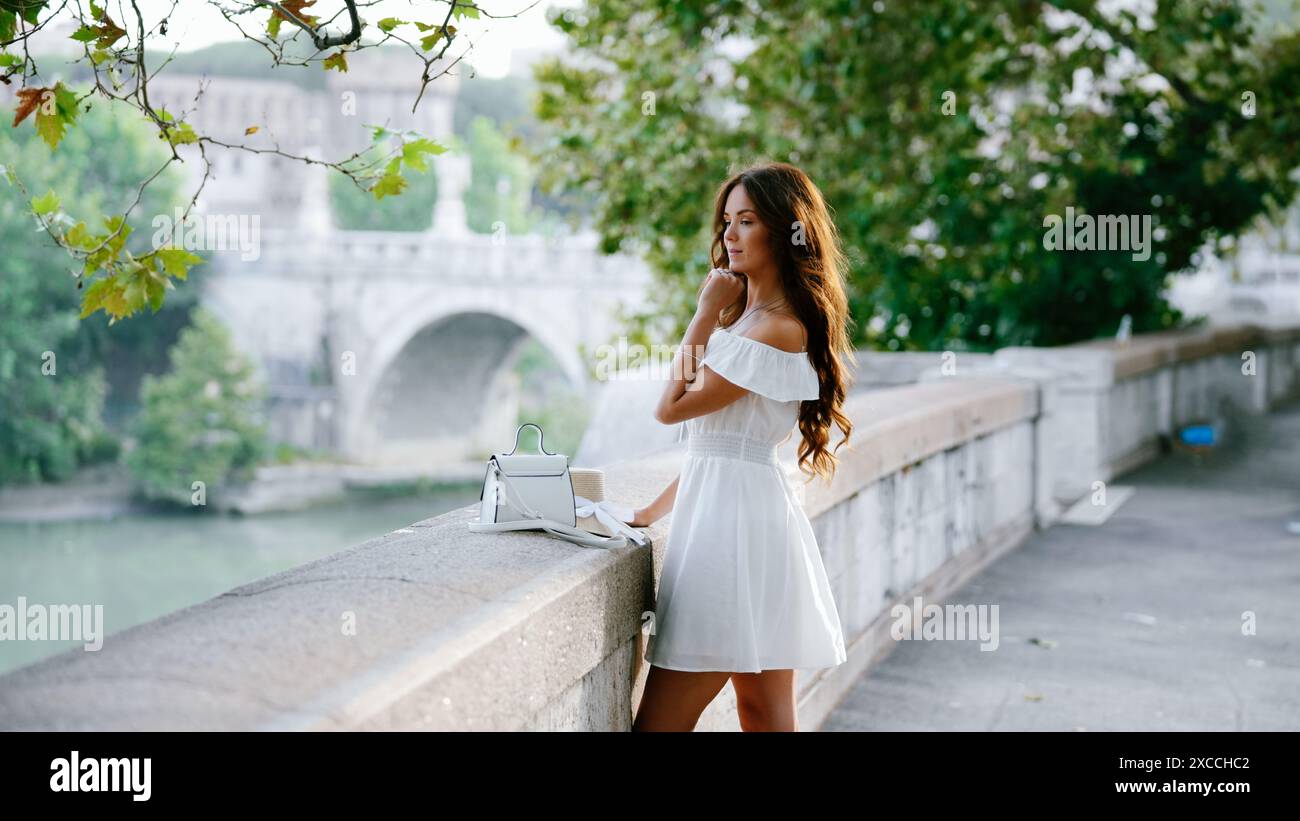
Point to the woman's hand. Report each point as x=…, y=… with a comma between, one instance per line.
x=720, y=290
x=656, y=510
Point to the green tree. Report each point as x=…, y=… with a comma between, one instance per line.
x=507, y=102
x=202, y=421
x=500, y=185
x=50, y=404
x=356, y=209
x=943, y=133
x=547, y=399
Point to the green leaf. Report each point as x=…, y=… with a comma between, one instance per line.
x=7, y=60
x=389, y=185
x=47, y=204
x=182, y=134
x=134, y=292
x=85, y=34
x=432, y=40
x=413, y=152
x=155, y=288
x=460, y=9
x=177, y=261
x=92, y=299
x=389, y=23
x=113, y=222
x=428, y=42
x=66, y=102
x=114, y=245
x=52, y=126
x=30, y=11
x=79, y=237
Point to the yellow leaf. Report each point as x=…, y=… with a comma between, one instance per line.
x=336, y=60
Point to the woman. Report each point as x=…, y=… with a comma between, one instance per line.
x=743, y=593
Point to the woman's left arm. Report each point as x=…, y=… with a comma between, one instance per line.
x=682, y=373
x=721, y=289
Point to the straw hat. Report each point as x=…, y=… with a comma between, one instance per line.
x=590, y=484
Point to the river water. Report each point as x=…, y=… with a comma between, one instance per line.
x=140, y=567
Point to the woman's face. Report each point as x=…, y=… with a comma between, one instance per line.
x=744, y=235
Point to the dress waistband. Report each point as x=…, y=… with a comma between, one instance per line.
x=732, y=445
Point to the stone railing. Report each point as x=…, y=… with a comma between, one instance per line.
x=434, y=627
x=477, y=258
x=1110, y=406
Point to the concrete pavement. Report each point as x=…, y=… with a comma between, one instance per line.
x=1136, y=624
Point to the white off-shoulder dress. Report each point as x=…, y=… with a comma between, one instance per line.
x=743, y=587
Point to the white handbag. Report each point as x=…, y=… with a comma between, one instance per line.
x=535, y=492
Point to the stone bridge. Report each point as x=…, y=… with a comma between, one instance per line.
x=398, y=347
x=385, y=346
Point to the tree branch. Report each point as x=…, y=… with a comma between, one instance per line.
x=322, y=41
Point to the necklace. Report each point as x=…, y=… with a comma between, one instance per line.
x=751, y=313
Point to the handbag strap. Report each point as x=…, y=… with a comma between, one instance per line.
x=572, y=534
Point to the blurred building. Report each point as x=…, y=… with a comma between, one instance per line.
x=380, y=88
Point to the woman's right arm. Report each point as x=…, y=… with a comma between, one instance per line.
x=656, y=510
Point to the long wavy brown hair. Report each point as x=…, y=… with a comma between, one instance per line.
x=813, y=275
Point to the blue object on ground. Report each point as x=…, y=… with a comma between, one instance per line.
x=1198, y=435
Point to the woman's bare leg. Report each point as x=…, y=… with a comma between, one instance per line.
x=766, y=701
x=674, y=699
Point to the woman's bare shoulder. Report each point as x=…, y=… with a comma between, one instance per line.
x=782, y=331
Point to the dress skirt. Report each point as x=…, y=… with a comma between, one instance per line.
x=743, y=587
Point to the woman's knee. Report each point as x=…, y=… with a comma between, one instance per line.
x=765, y=701
x=764, y=717
x=674, y=699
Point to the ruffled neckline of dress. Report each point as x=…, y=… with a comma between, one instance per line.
x=785, y=376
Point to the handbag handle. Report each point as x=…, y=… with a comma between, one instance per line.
x=540, y=440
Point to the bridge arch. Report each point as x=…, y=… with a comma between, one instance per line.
x=436, y=385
